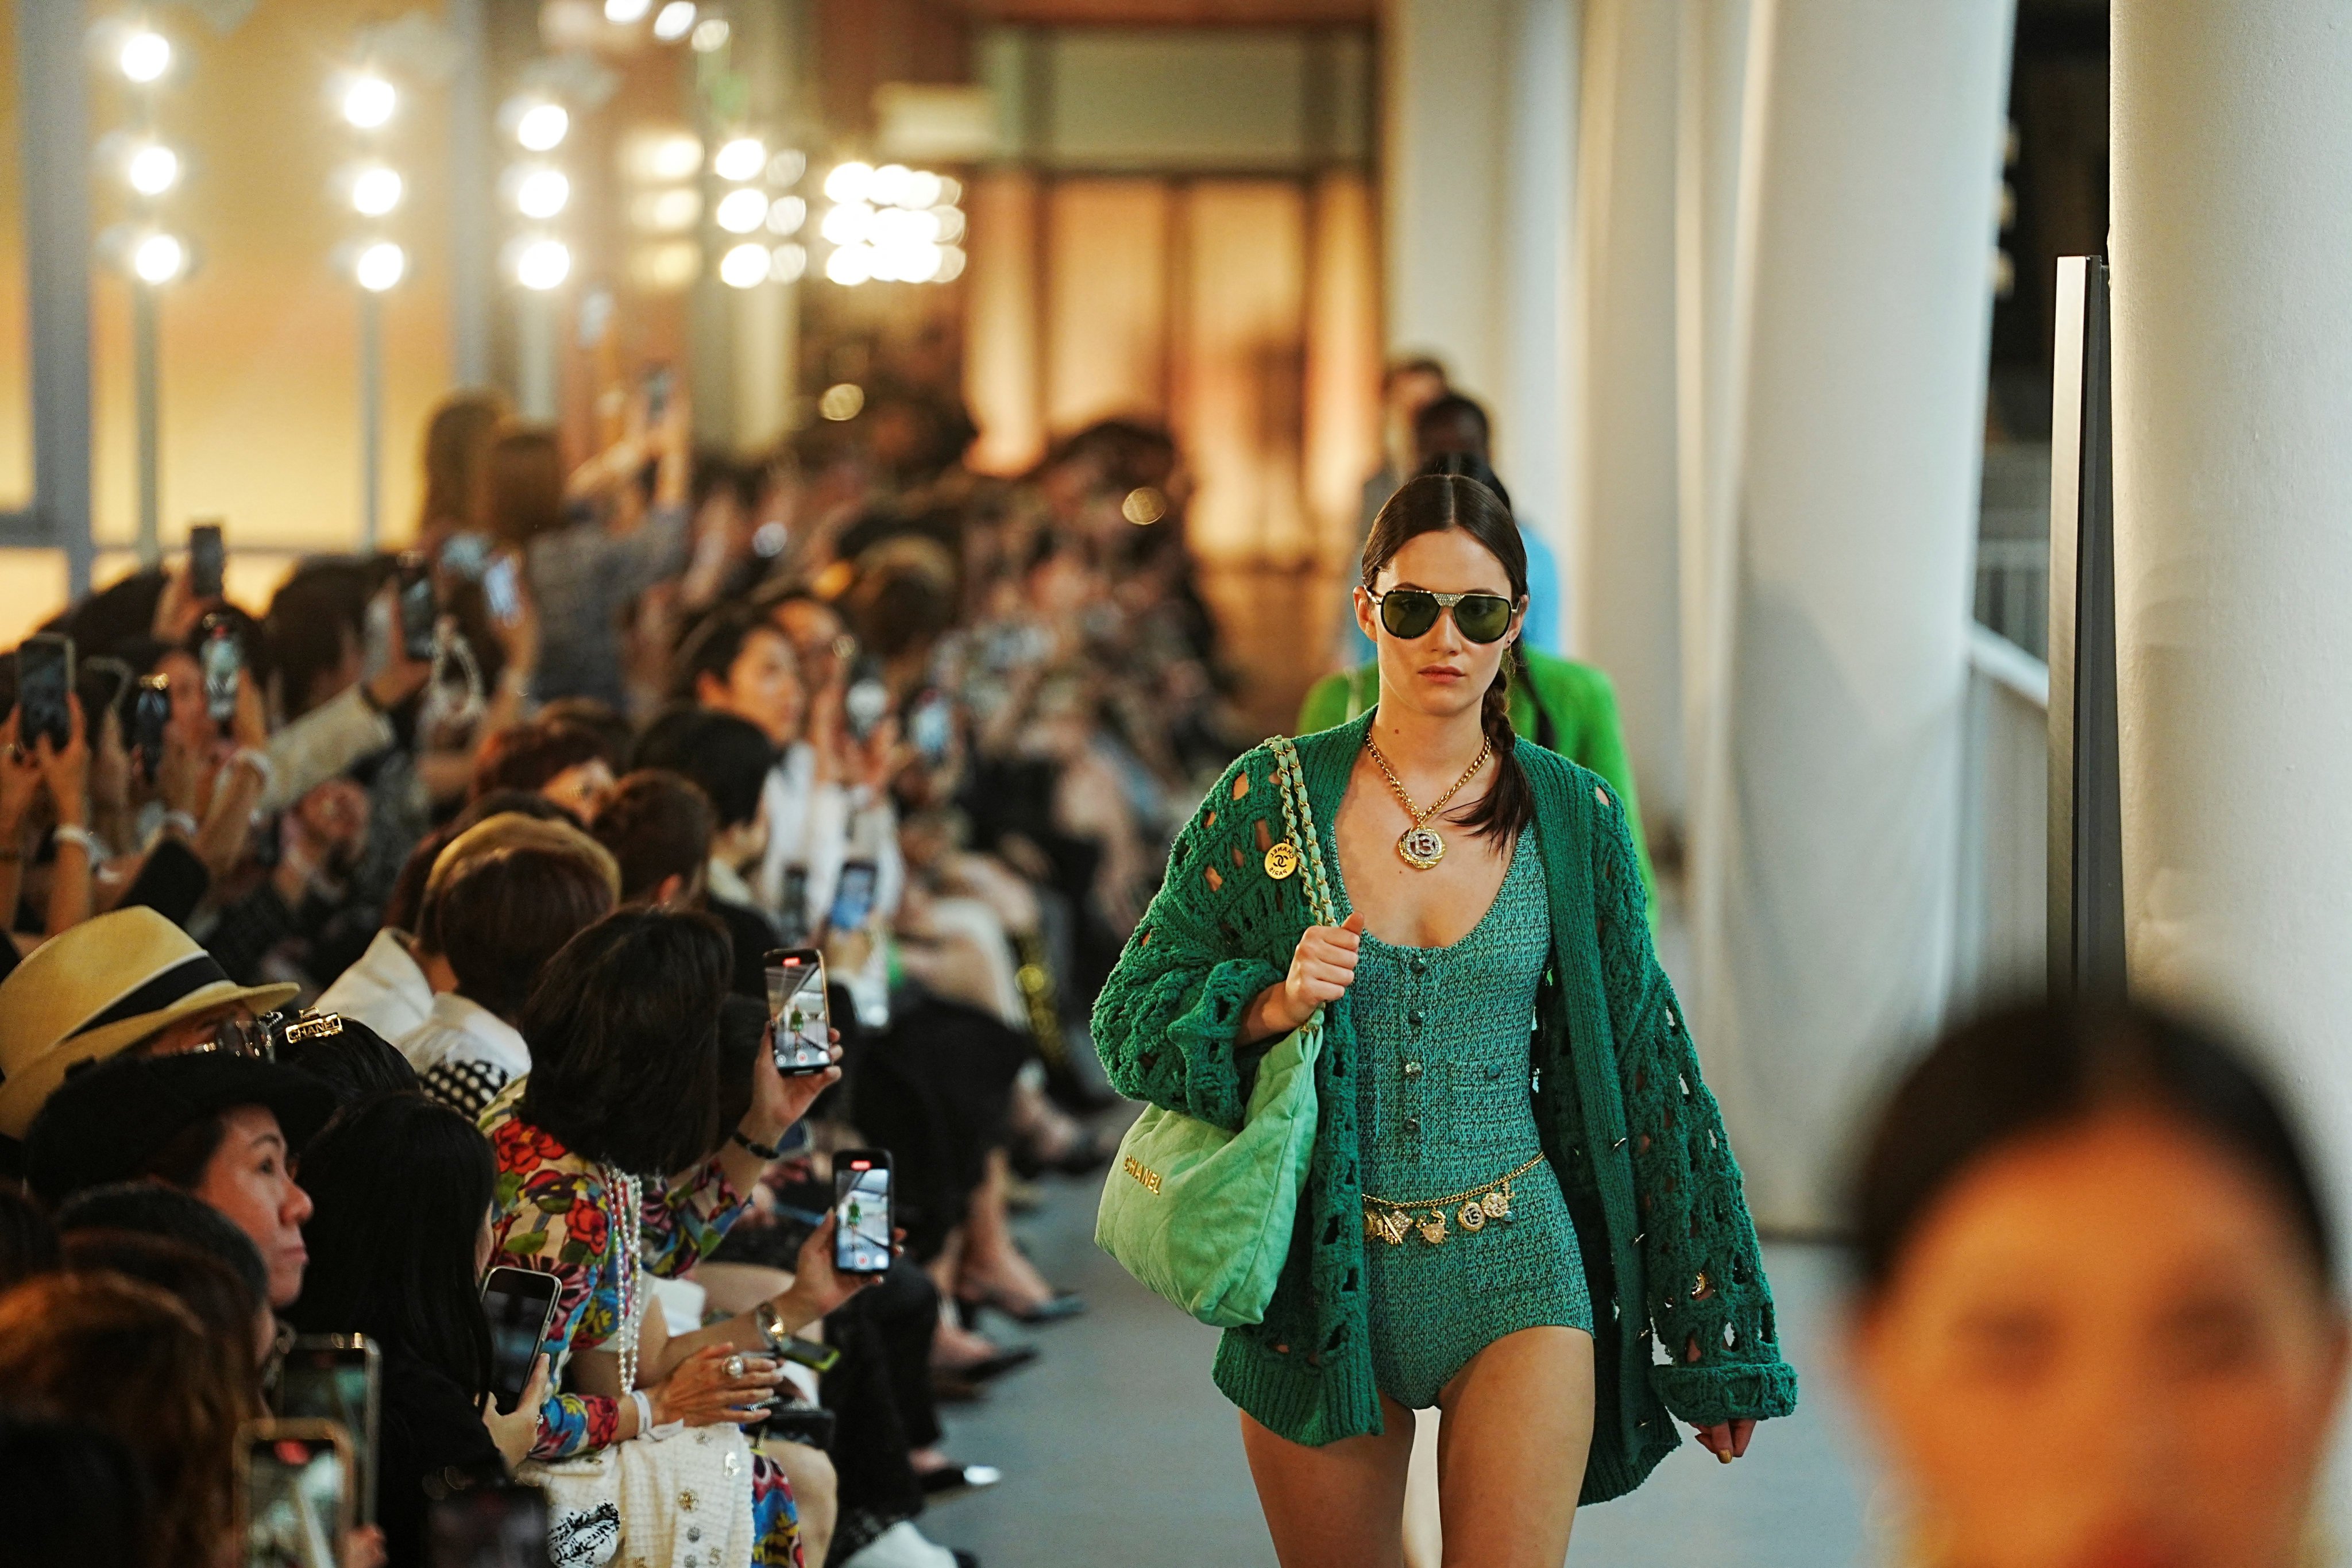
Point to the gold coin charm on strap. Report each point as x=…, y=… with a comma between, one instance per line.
x=1282, y=861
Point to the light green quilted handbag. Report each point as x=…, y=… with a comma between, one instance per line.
x=1202, y=1216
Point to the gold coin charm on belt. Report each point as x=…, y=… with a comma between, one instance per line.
x=1496, y=1204
x=1472, y=1215
x=1282, y=861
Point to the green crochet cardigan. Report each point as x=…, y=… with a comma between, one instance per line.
x=1684, y=1317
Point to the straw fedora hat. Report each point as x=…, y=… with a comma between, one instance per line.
x=97, y=989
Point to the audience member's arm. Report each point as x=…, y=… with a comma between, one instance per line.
x=240, y=788
x=20, y=781
x=67, y=772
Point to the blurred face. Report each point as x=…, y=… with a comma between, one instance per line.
x=250, y=1181
x=2107, y=1347
x=581, y=789
x=763, y=685
x=812, y=628
x=1440, y=672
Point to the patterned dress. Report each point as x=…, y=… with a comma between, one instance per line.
x=554, y=1215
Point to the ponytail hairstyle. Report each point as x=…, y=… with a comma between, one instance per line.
x=1431, y=504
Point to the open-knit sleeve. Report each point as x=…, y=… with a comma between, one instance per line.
x=1167, y=1019
x=1709, y=1301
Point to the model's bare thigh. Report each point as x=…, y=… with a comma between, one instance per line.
x=1339, y=1506
x=1511, y=1447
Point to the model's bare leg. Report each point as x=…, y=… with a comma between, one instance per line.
x=1336, y=1506
x=1511, y=1451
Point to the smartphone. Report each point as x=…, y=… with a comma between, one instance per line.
x=501, y=1526
x=817, y=1358
x=339, y=1378
x=150, y=719
x=207, y=561
x=419, y=609
x=801, y=1039
x=853, y=897
x=931, y=726
x=45, y=680
x=293, y=1494
x=466, y=554
x=867, y=701
x=521, y=1304
x=501, y=591
x=220, y=657
x=657, y=390
x=863, y=1240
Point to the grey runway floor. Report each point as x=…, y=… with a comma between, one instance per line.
x=1119, y=1453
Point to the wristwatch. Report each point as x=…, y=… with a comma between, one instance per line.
x=770, y=1324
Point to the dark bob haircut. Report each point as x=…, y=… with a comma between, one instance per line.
x=500, y=916
x=152, y=1208
x=533, y=755
x=726, y=757
x=624, y=1035
x=658, y=824
x=399, y=1185
x=2040, y=1067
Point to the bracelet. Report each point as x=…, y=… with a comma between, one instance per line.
x=67, y=833
x=184, y=822
x=644, y=1405
x=764, y=1151
x=770, y=1324
x=256, y=759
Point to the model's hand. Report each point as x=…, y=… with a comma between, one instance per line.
x=1321, y=969
x=1727, y=1440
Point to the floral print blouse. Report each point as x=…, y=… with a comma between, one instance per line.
x=554, y=1215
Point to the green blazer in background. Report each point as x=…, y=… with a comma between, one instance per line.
x=1576, y=698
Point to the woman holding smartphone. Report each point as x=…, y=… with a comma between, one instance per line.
x=624, y=1088
x=1496, y=1223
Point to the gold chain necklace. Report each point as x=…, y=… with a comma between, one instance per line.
x=1421, y=846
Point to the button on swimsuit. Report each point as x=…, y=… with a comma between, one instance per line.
x=1443, y=1104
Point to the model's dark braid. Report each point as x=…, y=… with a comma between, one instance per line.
x=1508, y=803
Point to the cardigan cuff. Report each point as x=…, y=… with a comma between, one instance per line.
x=1711, y=1395
x=1219, y=1069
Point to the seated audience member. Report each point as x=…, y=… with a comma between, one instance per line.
x=399, y=1240
x=223, y=1128
x=392, y=985
x=736, y=661
x=350, y=1059
x=128, y=982
x=495, y=920
x=129, y=1360
x=151, y=1208
x=658, y=826
x=71, y=1494
x=729, y=760
x=564, y=763
x=623, y=1031
x=232, y=1314
x=2059, y=1211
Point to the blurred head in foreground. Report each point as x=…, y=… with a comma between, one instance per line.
x=2098, y=1322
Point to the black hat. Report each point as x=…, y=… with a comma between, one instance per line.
x=105, y=1122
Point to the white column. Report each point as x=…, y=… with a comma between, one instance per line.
x=1625, y=589
x=1828, y=872
x=2232, y=312
x=1444, y=124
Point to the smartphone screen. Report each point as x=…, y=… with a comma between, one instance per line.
x=294, y=1494
x=499, y=590
x=338, y=1378
x=45, y=678
x=418, y=608
x=221, y=659
x=803, y=1037
x=502, y=1526
x=207, y=561
x=931, y=726
x=862, y=1238
x=853, y=897
x=519, y=1303
x=466, y=554
x=150, y=718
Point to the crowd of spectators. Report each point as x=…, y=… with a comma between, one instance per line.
x=415, y=924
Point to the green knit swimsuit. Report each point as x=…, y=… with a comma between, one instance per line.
x=1444, y=1104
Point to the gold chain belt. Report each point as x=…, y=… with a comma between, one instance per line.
x=1388, y=1219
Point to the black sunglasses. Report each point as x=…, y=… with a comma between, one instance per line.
x=1409, y=612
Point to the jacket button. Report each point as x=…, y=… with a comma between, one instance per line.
x=1416, y=1017
x=1412, y=1069
x=1412, y=1126
x=1421, y=966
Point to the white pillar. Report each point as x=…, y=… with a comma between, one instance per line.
x=1870, y=203
x=1444, y=125
x=1625, y=590
x=2232, y=312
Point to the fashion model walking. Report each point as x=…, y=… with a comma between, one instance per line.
x=1521, y=1208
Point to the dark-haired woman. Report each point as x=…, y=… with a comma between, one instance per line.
x=399, y=1238
x=1496, y=1221
x=624, y=1088
x=2099, y=1317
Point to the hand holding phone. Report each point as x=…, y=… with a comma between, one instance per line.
x=420, y=605
x=151, y=721
x=339, y=1378
x=45, y=683
x=222, y=659
x=865, y=1236
x=521, y=1305
x=294, y=1494
x=207, y=562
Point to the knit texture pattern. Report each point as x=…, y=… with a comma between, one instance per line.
x=1445, y=1105
x=1637, y=1142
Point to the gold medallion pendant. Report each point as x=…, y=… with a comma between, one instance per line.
x=1282, y=861
x=1420, y=847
